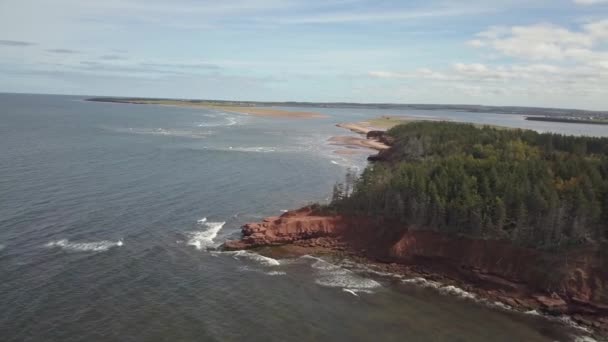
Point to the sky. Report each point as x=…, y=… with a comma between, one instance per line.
x=549, y=53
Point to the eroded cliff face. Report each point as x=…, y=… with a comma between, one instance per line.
x=301, y=224
x=575, y=282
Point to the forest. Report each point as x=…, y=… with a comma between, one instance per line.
x=543, y=191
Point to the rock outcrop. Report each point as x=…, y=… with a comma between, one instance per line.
x=574, y=283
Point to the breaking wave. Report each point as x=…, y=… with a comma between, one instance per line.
x=259, y=149
x=331, y=275
x=194, y=134
x=266, y=261
x=230, y=121
x=98, y=246
x=204, y=238
x=257, y=270
x=458, y=292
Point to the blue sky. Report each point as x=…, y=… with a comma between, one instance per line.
x=534, y=53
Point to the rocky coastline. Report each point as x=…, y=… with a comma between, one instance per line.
x=571, y=283
x=493, y=270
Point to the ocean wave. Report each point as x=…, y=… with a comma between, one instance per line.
x=229, y=122
x=261, y=271
x=331, y=275
x=258, y=149
x=204, y=238
x=422, y=282
x=443, y=289
x=584, y=339
x=2, y=247
x=194, y=134
x=266, y=261
x=97, y=246
x=368, y=269
x=355, y=292
x=458, y=292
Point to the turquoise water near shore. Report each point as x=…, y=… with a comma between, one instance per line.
x=110, y=215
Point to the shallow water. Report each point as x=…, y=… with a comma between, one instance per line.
x=109, y=214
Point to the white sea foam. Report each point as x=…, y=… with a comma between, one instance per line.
x=258, y=149
x=227, y=119
x=367, y=269
x=195, y=134
x=2, y=247
x=331, y=275
x=456, y=291
x=500, y=305
x=443, y=289
x=422, y=282
x=257, y=270
x=266, y=261
x=204, y=238
x=567, y=320
x=533, y=313
x=355, y=292
x=97, y=246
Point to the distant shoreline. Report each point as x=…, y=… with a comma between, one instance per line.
x=233, y=108
x=568, y=120
x=538, y=111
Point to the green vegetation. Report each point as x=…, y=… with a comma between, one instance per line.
x=536, y=190
x=387, y=122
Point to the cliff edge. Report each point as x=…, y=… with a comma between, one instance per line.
x=574, y=283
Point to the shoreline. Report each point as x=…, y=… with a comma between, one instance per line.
x=243, y=110
x=374, y=135
x=306, y=232
x=415, y=275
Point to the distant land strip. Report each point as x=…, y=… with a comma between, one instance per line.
x=533, y=111
x=593, y=121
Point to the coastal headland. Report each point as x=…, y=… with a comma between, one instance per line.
x=528, y=261
x=494, y=271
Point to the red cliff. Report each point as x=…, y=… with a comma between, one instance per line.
x=574, y=282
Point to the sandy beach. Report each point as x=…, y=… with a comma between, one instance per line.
x=357, y=142
x=245, y=110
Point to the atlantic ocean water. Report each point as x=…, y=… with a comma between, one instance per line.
x=110, y=215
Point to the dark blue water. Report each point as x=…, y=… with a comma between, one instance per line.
x=109, y=214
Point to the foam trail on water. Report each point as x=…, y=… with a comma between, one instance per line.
x=266, y=261
x=97, y=246
x=351, y=292
x=203, y=239
x=330, y=275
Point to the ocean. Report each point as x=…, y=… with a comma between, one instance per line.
x=110, y=216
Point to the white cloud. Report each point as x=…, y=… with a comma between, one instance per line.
x=548, y=42
x=590, y=2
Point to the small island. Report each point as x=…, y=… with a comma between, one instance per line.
x=516, y=217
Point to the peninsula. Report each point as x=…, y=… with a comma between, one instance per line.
x=514, y=216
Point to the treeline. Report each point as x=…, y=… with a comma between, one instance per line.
x=537, y=190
